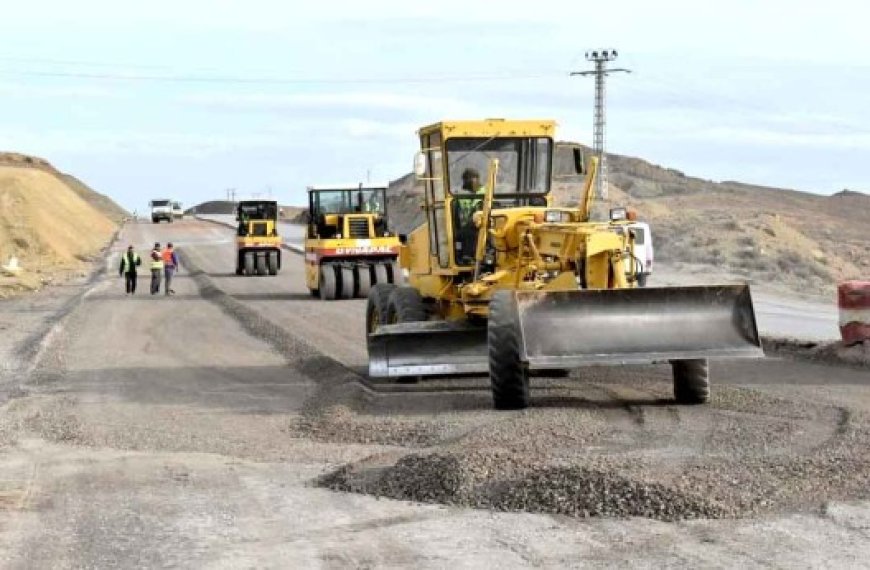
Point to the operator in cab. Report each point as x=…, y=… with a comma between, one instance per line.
x=469, y=201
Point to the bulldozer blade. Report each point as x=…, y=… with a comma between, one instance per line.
x=563, y=329
x=430, y=348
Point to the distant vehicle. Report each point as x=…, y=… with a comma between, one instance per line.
x=160, y=210
x=177, y=211
x=258, y=245
x=643, y=250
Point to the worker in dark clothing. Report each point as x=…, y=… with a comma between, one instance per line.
x=130, y=260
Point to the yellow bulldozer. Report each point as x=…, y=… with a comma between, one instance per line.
x=348, y=246
x=501, y=281
x=258, y=244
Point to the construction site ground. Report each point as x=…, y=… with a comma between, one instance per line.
x=231, y=425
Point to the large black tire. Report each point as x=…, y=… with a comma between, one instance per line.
x=250, y=264
x=346, y=282
x=691, y=381
x=262, y=269
x=508, y=375
x=396, y=275
x=405, y=306
x=376, y=309
x=328, y=282
x=381, y=274
x=273, y=263
x=363, y=280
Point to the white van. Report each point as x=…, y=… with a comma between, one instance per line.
x=177, y=210
x=643, y=250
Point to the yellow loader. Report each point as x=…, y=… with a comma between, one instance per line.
x=500, y=281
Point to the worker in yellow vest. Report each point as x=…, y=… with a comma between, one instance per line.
x=156, y=268
x=129, y=261
x=468, y=201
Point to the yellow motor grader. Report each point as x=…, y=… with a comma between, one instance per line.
x=502, y=281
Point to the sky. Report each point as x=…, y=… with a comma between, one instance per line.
x=188, y=99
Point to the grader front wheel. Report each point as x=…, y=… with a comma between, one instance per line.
x=508, y=375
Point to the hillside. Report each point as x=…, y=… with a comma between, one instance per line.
x=794, y=240
x=53, y=224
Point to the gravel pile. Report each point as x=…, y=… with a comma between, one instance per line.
x=736, y=465
x=568, y=490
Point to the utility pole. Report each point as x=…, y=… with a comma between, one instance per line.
x=600, y=58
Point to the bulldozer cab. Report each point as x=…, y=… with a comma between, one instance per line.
x=257, y=218
x=454, y=164
x=347, y=211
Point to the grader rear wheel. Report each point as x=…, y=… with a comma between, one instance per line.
x=691, y=381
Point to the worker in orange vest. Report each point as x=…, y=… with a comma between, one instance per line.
x=170, y=265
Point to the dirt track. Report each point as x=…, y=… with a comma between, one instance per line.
x=193, y=431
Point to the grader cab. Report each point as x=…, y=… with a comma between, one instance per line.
x=501, y=281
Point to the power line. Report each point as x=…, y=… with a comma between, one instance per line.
x=601, y=71
x=276, y=80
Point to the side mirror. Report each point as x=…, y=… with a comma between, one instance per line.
x=579, y=160
x=420, y=164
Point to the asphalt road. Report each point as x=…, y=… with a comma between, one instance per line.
x=171, y=431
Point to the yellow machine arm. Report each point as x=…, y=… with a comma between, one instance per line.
x=483, y=230
x=589, y=189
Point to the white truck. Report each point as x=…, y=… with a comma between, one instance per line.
x=161, y=209
x=643, y=250
x=177, y=210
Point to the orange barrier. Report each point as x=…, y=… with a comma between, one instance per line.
x=853, y=298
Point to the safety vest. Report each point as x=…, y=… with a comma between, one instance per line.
x=468, y=205
x=125, y=259
x=156, y=263
x=167, y=257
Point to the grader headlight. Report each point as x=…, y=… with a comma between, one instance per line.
x=556, y=216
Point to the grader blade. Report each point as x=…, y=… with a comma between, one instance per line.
x=563, y=329
x=430, y=348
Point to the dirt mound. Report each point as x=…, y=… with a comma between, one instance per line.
x=99, y=201
x=47, y=226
